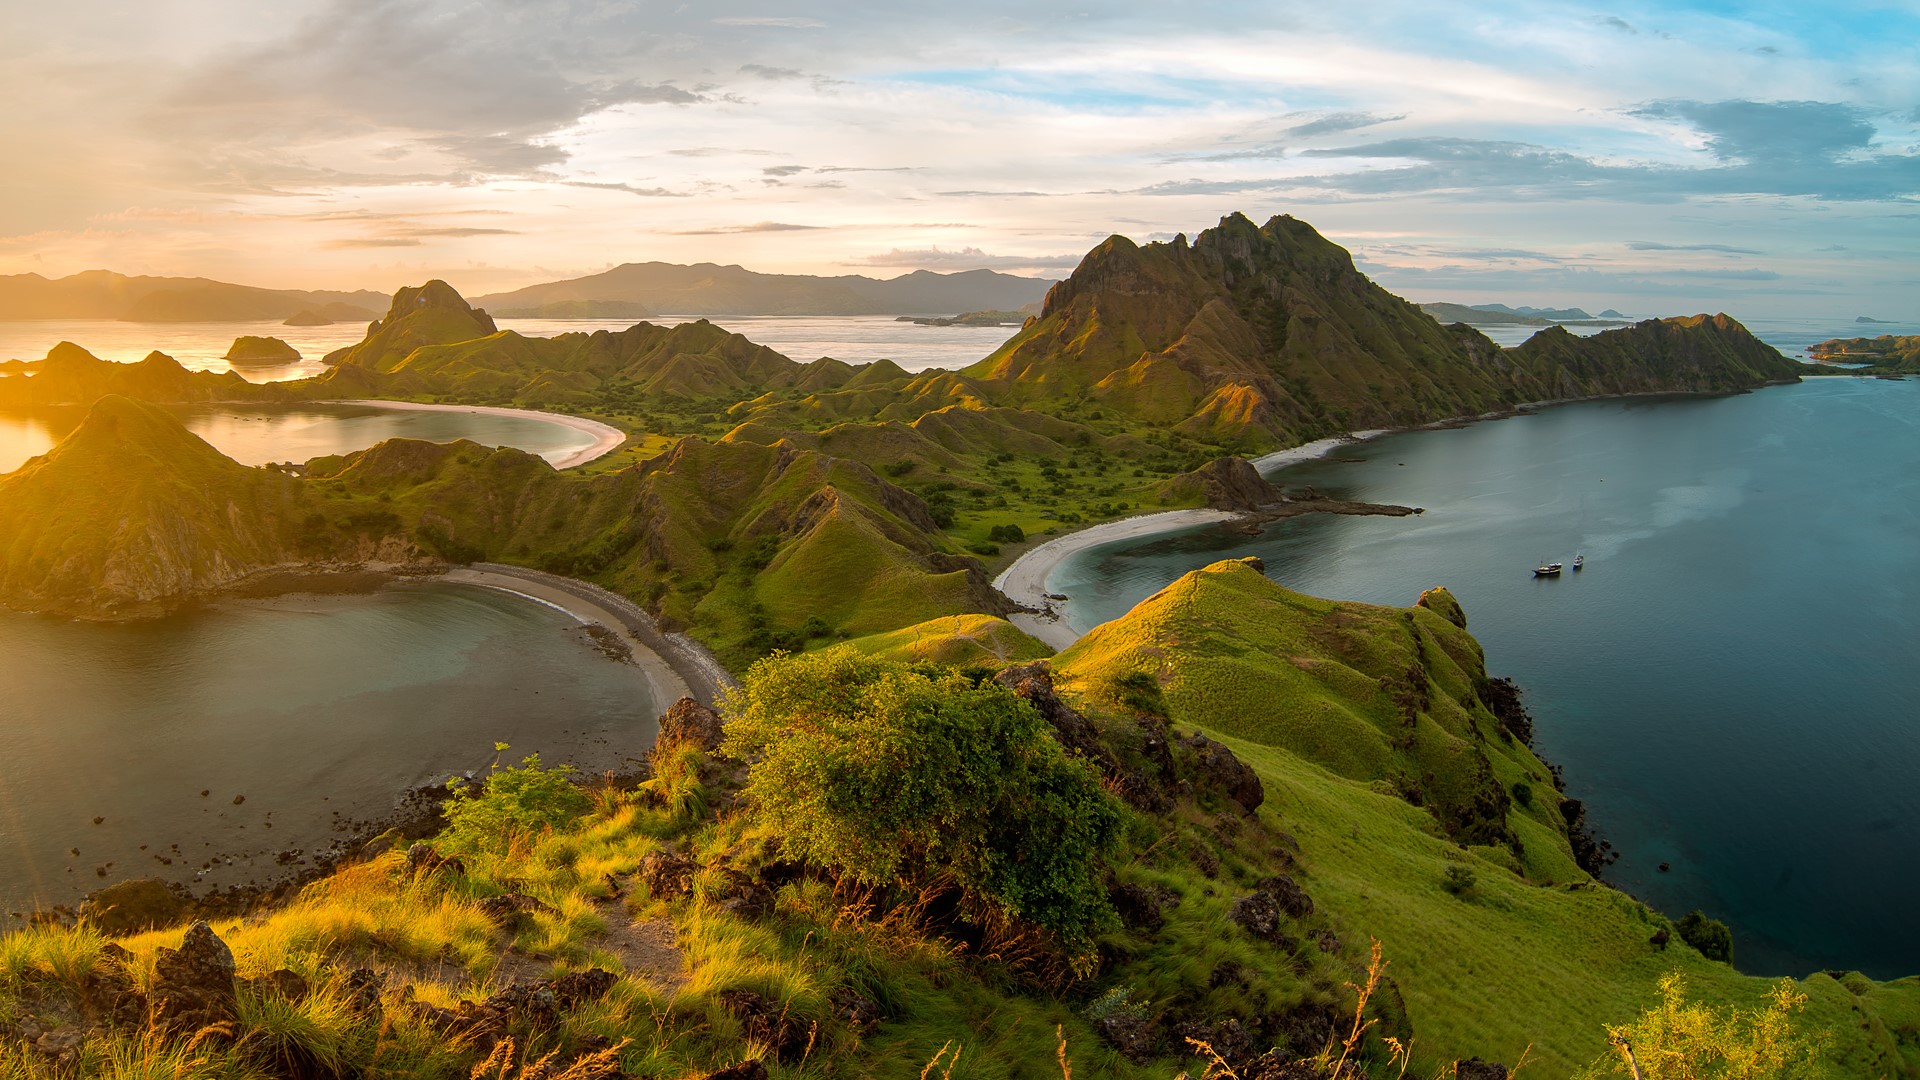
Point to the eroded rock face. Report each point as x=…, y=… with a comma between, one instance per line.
x=193, y=988
x=1216, y=768
x=1034, y=682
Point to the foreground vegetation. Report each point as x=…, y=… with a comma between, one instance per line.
x=882, y=864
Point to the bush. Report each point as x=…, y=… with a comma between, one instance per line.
x=1460, y=879
x=1710, y=936
x=892, y=772
x=1007, y=534
x=1678, y=1040
x=513, y=800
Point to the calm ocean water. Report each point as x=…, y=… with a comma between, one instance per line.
x=1730, y=683
x=257, y=434
x=315, y=708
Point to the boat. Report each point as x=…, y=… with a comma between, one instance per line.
x=1551, y=569
x=1579, y=561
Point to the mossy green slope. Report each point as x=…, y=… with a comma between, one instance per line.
x=132, y=510
x=1386, y=696
x=957, y=641
x=1312, y=695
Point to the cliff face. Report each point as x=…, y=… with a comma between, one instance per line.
x=132, y=511
x=1269, y=335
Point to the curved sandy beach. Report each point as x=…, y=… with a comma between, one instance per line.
x=606, y=437
x=1025, y=582
x=676, y=666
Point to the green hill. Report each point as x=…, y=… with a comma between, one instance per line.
x=1888, y=351
x=432, y=314
x=132, y=511
x=70, y=375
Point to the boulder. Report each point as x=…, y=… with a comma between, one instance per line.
x=665, y=874
x=766, y=1022
x=688, y=722
x=193, y=986
x=130, y=907
x=1474, y=1069
x=1215, y=768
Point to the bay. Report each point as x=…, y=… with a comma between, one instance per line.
x=1729, y=683
x=297, y=716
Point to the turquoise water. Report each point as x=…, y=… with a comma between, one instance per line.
x=1731, y=682
x=257, y=434
x=319, y=710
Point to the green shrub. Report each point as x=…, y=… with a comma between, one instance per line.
x=893, y=772
x=1007, y=534
x=1710, y=936
x=513, y=800
x=1682, y=1040
x=1460, y=879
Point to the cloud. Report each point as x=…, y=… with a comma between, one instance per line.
x=1650, y=245
x=350, y=243
x=783, y=170
x=1615, y=22
x=644, y=192
x=1764, y=148
x=771, y=74
x=1771, y=132
x=768, y=20
x=967, y=258
x=758, y=227
x=1333, y=123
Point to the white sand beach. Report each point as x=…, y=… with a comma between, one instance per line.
x=1025, y=582
x=676, y=666
x=607, y=438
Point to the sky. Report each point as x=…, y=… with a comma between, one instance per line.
x=1756, y=158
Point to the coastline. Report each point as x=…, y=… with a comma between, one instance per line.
x=607, y=438
x=1025, y=581
x=675, y=665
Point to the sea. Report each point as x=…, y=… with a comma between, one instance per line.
x=231, y=743
x=1729, y=683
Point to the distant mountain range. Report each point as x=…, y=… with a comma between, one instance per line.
x=632, y=291
x=103, y=294
x=710, y=290
x=1502, y=315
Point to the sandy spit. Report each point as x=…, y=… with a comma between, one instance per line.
x=1025, y=582
x=606, y=437
x=676, y=666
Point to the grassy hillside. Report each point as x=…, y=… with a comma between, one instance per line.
x=1238, y=889
x=70, y=375
x=132, y=510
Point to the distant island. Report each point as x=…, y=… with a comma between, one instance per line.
x=1865, y=319
x=1887, y=353
x=713, y=291
x=102, y=294
x=1502, y=315
x=328, y=314
x=975, y=318
x=250, y=349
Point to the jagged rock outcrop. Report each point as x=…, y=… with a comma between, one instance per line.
x=1268, y=335
x=687, y=723
x=430, y=314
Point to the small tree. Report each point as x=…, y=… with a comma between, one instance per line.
x=889, y=771
x=1710, y=936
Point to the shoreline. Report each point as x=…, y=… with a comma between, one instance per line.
x=675, y=665
x=1025, y=581
x=607, y=438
